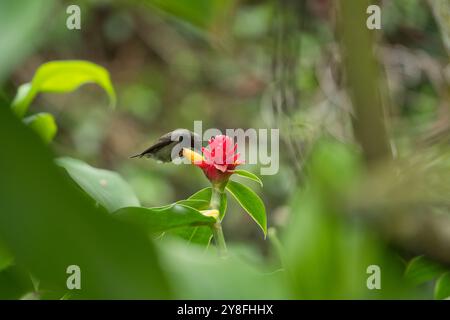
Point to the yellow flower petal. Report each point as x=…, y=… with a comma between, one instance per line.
x=211, y=213
x=192, y=156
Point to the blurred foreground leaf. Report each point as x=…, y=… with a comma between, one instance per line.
x=197, y=274
x=251, y=203
x=43, y=124
x=59, y=77
x=48, y=224
x=442, y=288
x=420, y=270
x=326, y=254
x=108, y=188
x=15, y=282
x=6, y=257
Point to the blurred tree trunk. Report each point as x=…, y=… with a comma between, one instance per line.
x=363, y=79
x=413, y=228
x=441, y=11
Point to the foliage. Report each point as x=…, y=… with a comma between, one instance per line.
x=106, y=187
x=58, y=76
x=58, y=226
x=139, y=229
x=250, y=202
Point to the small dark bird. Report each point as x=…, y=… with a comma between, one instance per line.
x=162, y=149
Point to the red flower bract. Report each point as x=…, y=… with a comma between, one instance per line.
x=220, y=159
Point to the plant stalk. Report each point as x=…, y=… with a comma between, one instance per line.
x=217, y=227
x=219, y=239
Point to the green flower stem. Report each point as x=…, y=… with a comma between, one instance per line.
x=217, y=227
x=219, y=239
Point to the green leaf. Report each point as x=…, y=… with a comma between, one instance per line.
x=249, y=175
x=198, y=204
x=48, y=224
x=165, y=218
x=6, y=257
x=328, y=256
x=442, y=287
x=108, y=188
x=44, y=125
x=205, y=195
x=15, y=282
x=195, y=274
x=250, y=201
x=62, y=76
x=420, y=270
x=200, y=235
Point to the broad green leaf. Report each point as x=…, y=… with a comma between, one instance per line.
x=442, y=287
x=200, y=274
x=249, y=175
x=195, y=203
x=15, y=282
x=250, y=201
x=108, y=188
x=201, y=235
x=278, y=252
x=44, y=125
x=420, y=270
x=165, y=218
x=22, y=99
x=59, y=77
x=6, y=257
x=327, y=255
x=48, y=224
x=205, y=195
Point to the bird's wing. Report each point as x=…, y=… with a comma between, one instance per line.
x=169, y=140
x=161, y=143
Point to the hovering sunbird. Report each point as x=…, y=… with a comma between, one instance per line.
x=162, y=149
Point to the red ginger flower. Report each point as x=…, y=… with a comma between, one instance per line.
x=219, y=159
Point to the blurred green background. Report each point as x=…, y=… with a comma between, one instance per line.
x=293, y=65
